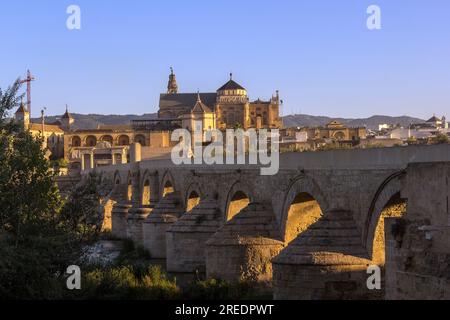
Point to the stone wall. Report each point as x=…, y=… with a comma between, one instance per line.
x=418, y=245
x=348, y=196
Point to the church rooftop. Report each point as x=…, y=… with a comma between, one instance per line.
x=200, y=107
x=434, y=119
x=231, y=85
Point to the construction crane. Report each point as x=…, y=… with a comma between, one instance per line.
x=28, y=82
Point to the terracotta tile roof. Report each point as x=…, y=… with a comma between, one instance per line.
x=47, y=128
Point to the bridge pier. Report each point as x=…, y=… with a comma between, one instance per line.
x=165, y=213
x=135, y=220
x=243, y=249
x=186, y=239
x=119, y=220
x=327, y=261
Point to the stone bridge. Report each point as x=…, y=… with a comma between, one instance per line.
x=309, y=232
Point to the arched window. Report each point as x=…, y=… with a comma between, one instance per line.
x=140, y=139
x=339, y=135
x=124, y=140
x=76, y=141
x=108, y=138
x=91, y=141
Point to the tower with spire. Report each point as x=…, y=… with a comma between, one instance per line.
x=67, y=120
x=200, y=119
x=22, y=116
x=230, y=105
x=172, y=87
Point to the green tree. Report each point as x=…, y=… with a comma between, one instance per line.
x=441, y=138
x=8, y=101
x=81, y=209
x=37, y=241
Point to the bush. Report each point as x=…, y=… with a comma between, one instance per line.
x=441, y=139
x=135, y=256
x=122, y=283
x=213, y=289
x=39, y=238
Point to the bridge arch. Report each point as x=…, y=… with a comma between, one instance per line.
x=193, y=196
x=117, y=179
x=146, y=188
x=129, y=187
x=303, y=205
x=167, y=184
x=387, y=202
x=239, y=196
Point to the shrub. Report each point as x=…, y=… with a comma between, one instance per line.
x=441, y=139
x=122, y=283
x=213, y=289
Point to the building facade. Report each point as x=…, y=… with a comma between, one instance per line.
x=52, y=134
x=337, y=131
x=230, y=105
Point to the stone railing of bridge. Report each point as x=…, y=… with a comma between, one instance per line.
x=309, y=232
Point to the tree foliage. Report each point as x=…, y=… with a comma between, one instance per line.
x=39, y=238
x=441, y=139
x=9, y=100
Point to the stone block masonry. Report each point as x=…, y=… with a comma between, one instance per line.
x=347, y=197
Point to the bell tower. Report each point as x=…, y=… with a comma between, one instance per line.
x=22, y=116
x=172, y=87
x=67, y=120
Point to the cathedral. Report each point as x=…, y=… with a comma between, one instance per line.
x=229, y=107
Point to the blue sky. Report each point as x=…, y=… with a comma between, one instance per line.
x=318, y=53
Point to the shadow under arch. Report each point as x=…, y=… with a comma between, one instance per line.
x=129, y=187
x=146, y=191
x=167, y=184
x=117, y=178
x=148, y=187
x=303, y=205
x=239, y=196
x=193, y=196
x=387, y=202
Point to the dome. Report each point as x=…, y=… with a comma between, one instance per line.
x=232, y=88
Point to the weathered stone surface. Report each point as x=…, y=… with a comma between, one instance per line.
x=186, y=238
x=418, y=244
x=165, y=213
x=331, y=261
x=119, y=220
x=135, y=220
x=327, y=261
x=245, y=245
